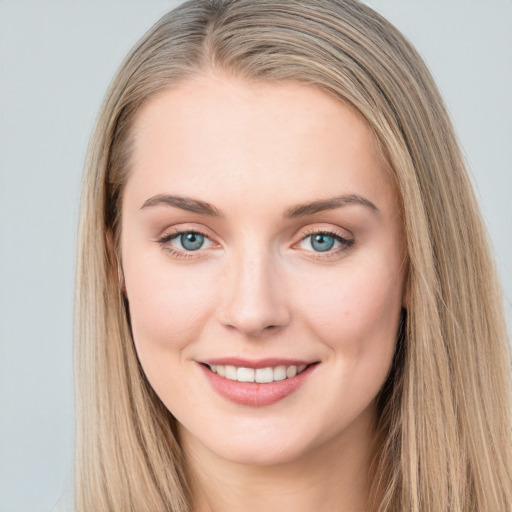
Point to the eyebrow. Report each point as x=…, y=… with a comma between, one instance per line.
x=304, y=209
x=184, y=203
x=301, y=210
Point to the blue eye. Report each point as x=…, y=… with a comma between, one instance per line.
x=183, y=243
x=322, y=242
x=325, y=242
x=191, y=241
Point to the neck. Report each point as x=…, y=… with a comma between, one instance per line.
x=327, y=478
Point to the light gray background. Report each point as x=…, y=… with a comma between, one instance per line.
x=56, y=60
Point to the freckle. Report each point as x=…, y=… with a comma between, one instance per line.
x=346, y=313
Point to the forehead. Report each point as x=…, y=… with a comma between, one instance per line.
x=220, y=136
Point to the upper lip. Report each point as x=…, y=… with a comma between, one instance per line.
x=255, y=363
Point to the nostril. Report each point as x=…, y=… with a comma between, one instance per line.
x=253, y=306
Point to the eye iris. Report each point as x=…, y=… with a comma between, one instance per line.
x=192, y=241
x=322, y=243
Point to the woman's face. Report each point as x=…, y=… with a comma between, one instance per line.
x=261, y=242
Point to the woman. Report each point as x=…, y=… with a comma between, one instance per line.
x=285, y=296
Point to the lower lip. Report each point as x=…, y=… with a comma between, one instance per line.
x=253, y=393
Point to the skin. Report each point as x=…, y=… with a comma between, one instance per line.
x=257, y=288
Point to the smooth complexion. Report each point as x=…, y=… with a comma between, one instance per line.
x=255, y=275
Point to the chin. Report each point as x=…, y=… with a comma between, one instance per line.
x=259, y=443
x=260, y=455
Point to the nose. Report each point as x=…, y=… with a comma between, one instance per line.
x=254, y=299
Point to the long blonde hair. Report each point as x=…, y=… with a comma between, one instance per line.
x=444, y=426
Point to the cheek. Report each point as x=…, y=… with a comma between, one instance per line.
x=355, y=315
x=167, y=307
x=355, y=311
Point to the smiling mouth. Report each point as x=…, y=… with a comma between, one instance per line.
x=258, y=375
x=256, y=383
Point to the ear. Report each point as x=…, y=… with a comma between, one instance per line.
x=115, y=267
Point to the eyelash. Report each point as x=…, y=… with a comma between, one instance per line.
x=346, y=243
x=186, y=255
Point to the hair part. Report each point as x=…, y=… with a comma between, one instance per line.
x=444, y=441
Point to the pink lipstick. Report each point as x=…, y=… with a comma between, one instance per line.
x=256, y=382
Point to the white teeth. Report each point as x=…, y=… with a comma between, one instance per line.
x=291, y=371
x=260, y=375
x=280, y=373
x=264, y=375
x=245, y=375
x=231, y=372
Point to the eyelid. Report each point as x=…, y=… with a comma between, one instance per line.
x=323, y=229
x=346, y=242
x=174, y=232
